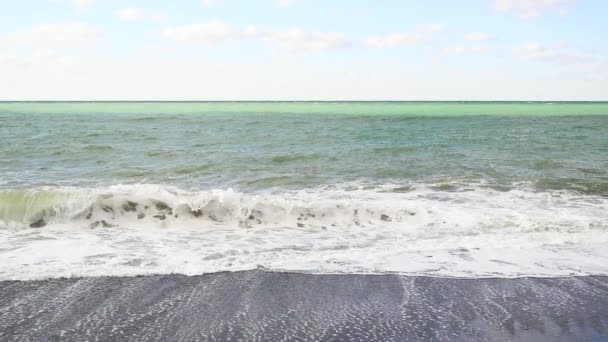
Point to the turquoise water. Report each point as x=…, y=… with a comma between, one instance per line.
x=297, y=145
x=437, y=188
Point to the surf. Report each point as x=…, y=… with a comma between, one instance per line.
x=457, y=231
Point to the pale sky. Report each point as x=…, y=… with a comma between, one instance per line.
x=303, y=50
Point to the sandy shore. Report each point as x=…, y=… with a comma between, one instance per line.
x=266, y=306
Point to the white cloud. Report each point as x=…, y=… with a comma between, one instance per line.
x=480, y=49
x=393, y=40
x=526, y=9
x=429, y=28
x=552, y=53
x=292, y=39
x=72, y=34
x=94, y=77
x=463, y=50
x=209, y=33
x=421, y=35
x=138, y=14
x=295, y=39
x=455, y=50
x=130, y=14
x=477, y=37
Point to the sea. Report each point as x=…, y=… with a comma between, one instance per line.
x=444, y=189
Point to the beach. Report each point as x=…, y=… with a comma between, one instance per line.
x=290, y=170
x=273, y=306
x=271, y=221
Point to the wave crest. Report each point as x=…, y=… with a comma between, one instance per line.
x=446, y=206
x=421, y=229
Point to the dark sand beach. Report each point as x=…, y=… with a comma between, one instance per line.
x=269, y=306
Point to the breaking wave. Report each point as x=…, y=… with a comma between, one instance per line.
x=346, y=206
x=430, y=229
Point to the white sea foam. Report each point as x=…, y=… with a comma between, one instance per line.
x=148, y=229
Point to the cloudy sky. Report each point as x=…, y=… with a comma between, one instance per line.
x=303, y=50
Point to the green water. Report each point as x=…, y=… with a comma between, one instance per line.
x=353, y=108
x=261, y=145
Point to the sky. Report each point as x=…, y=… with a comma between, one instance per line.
x=303, y=50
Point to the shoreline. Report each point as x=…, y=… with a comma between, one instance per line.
x=261, y=269
x=268, y=305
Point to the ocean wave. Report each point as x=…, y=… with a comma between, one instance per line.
x=348, y=205
x=470, y=231
x=296, y=158
x=98, y=147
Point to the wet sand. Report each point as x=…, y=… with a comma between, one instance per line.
x=267, y=306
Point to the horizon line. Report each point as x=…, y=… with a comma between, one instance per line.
x=283, y=101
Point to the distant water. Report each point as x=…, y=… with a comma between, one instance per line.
x=466, y=189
